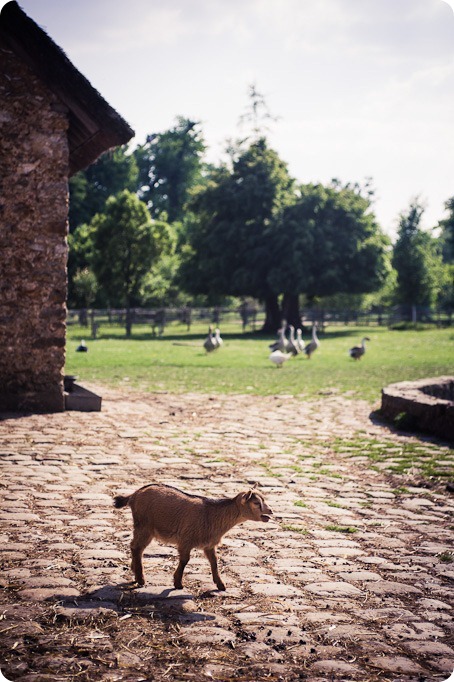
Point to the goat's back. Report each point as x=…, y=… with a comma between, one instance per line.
x=172, y=515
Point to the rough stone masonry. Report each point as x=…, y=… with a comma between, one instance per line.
x=33, y=247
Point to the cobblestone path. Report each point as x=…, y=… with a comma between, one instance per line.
x=351, y=581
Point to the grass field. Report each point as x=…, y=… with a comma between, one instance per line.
x=178, y=363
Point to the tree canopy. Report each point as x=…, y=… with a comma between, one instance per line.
x=447, y=232
x=235, y=214
x=125, y=243
x=417, y=260
x=89, y=189
x=169, y=164
x=157, y=225
x=257, y=235
x=330, y=242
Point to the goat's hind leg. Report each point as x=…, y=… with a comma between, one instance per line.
x=140, y=540
x=210, y=553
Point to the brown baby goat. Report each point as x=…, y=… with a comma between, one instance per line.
x=187, y=521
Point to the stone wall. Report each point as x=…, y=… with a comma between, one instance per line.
x=425, y=405
x=33, y=240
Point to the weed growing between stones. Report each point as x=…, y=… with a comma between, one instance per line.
x=446, y=557
x=430, y=461
x=341, y=529
x=295, y=529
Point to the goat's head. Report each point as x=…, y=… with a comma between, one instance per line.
x=254, y=507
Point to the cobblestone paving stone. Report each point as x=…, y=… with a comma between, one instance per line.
x=351, y=581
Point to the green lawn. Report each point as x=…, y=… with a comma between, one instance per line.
x=177, y=362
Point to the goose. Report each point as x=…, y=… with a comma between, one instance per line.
x=299, y=340
x=313, y=344
x=209, y=344
x=278, y=357
x=82, y=347
x=291, y=343
x=358, y=351
x=281, y=343
x=217, y=338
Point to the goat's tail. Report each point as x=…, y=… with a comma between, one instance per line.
x=121, y=501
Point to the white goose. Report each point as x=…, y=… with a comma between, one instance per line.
x=299, y=341
x=278, y=357
x=358, y=351
x=217, y=338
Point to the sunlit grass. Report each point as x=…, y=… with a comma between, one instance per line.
x=177, y=362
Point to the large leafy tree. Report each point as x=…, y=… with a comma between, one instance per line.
x=416, y=259
x=170, y=164
x=328, y=242
x=257, y=236
x=232, y=235
x=126, y=242
x=89, y=189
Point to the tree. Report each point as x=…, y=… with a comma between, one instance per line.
x=126, y=242
x=231, y=235
x=89, y=189
x=85, y=288
x=447, y=233
x=257, y=236
x=416, y=259
x=446, y=295
x=170, y=163
x=329, y=243
x=159, y=287
x=80, y=253
x=256, y=115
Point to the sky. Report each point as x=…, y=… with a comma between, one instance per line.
x=360, y=88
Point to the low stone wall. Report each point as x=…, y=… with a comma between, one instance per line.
x=427, y=404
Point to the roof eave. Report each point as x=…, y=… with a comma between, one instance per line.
x=94, y=126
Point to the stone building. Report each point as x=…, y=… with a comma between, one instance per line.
x=52, y=124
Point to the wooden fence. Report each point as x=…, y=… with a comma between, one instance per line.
x=251, y=318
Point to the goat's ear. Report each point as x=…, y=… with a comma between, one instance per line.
x=245, y=497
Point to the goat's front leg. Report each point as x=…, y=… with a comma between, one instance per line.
x=210, y=553
x=178, y=575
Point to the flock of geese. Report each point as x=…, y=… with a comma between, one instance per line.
x=213, y=341
x=287, y=345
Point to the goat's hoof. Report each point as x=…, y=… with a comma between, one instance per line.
x=221, y=587
x=141, y=583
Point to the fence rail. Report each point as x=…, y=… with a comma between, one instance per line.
x=251, y=318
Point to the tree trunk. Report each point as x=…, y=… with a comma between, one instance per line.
x=273, y=317
x=291, y=310
x=128, y=322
